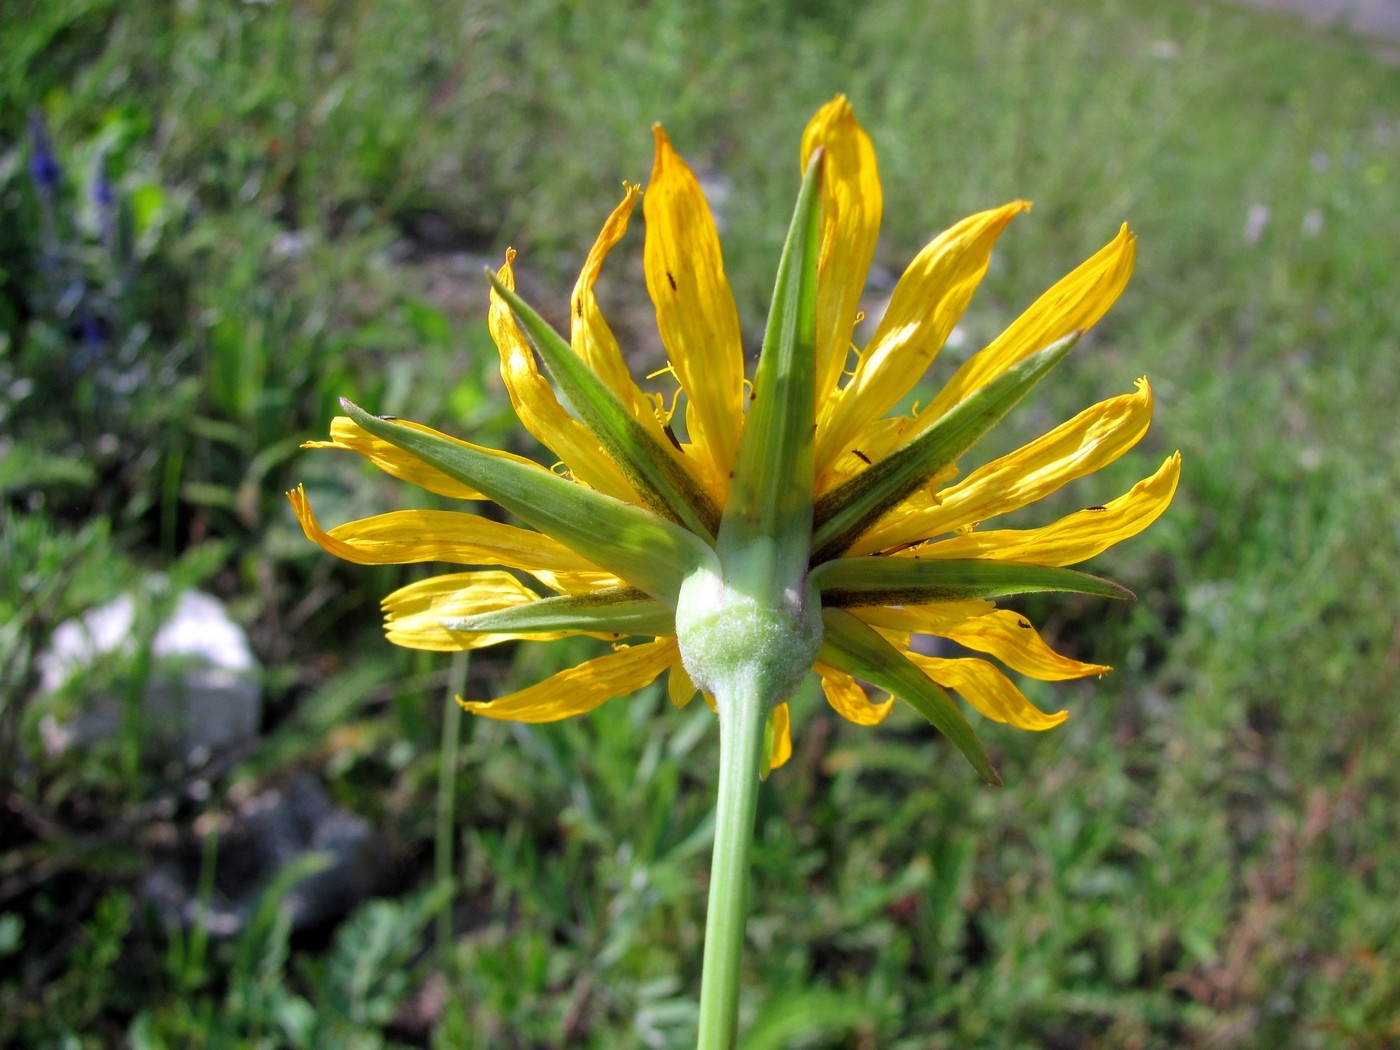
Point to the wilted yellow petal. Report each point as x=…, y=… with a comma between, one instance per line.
x=851, y=202
x=413, y=615
x=988, y=690
x=581, y=689
x=927, y=302
x=406, y=536
x=1076, y=302
x=695, y=311
x=1091, y=440
x=781, y=750
x=1074, y=538
x=394, y=461
x=539, y=410
x=849, y=700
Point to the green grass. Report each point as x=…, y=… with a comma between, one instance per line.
x=1204, y=856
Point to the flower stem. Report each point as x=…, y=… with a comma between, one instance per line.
x=447, y=797
x=742, y=716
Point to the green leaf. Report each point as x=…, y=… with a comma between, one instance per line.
x=857, y=649
x=770, y=497
x=852, y=582
x=651, y=468
x=648, y=552
x=847, y=511
x=618, y=610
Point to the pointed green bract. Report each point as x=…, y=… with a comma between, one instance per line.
x=769, y=512
x=853, y=647
x=648, y=552
x=658, y=479
x=848, y=510
x=619, y=610
x=853, y=582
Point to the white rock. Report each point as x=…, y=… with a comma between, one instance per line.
x=202, y=694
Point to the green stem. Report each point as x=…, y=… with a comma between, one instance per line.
x=742, y=716
x=447, y=797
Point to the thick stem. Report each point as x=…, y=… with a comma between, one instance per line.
x=742, y=716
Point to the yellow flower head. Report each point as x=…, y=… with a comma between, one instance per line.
x=795, y=519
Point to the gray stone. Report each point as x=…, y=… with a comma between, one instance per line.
x=258, y=840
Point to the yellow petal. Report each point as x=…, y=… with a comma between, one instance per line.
x=1076, y=302
x=580, y=689
x=406, y=536
x=923, y=619
x=1007, y=635
x=848, y=699
x=851, y=202
x=781, y=723
x=679, y=686
x=395, y=462
x=589, y=333
x=927, y=302
x=876, y=441
x=413, y=615
x=576, y=582
x=695, y=311
x=1091, y=440
x=1074, y=538
x=988, y=690
x=539, y=410
x=594, y=341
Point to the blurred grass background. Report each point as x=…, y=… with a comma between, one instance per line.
x=258, y=207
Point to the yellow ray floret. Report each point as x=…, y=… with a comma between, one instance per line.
x=590, y=335
x=695, y=311
x=849, y=700
x=680, y=688
x=851, y=202
x=1091, y=440
x=397, y=463
x=580, y=689
x=780, y=722
x=1074, y=538
x=1007, y=635
x=927, y=302
x=404, y=537
x=413, y=615
x=989, y=691
x=1073, y=304
x=539, y=410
